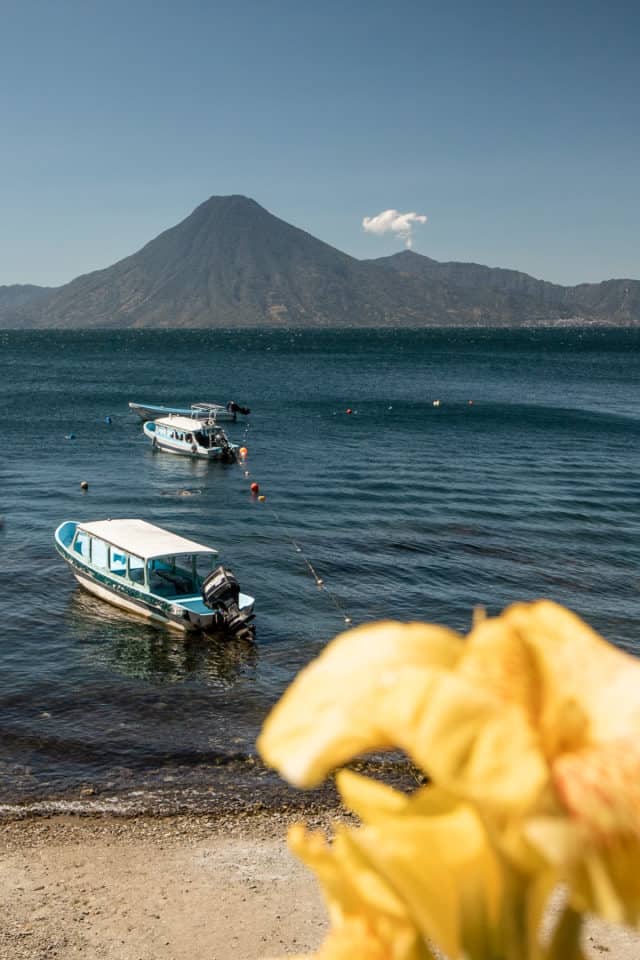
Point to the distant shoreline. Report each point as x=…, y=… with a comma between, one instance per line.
x=573, y=324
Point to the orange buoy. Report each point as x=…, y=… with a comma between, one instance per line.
x=243, y=451
x=255, y=487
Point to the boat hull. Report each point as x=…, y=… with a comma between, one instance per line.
x=126, y=603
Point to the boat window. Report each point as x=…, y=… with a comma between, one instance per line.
x=83, y=545
x=170, y=576
x=99, y=553
x=184, y=574
x=204, y=565
x=117, y=562
x=160, y=571
x=136, y=569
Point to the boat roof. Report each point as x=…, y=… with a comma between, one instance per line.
x=181, y=423
x=144, y=539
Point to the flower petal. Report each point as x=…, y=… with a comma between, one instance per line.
x=469, y=742
x=602, y=879
x=373, y=801
x=443, y=870
x=589, y=690
x=333, y=710
x=434, y=852
x=367, y=916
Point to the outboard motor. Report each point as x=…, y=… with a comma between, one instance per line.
x=221, y=439
x=221, y=592
x=234, y=407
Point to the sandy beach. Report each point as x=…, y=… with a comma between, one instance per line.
x=179, y=888
x=154, y=889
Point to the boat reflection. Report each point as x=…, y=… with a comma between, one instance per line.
x=177, y=471
x=137, y=649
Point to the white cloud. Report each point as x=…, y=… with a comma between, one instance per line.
x=391, y=221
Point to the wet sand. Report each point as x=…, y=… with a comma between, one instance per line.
x=179, y=888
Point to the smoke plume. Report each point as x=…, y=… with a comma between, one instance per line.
x=391, y=221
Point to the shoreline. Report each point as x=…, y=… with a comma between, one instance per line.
x=241, y=786
x=187, y=887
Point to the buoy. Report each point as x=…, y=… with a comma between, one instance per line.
x=470, y=402
x=84, y=485
x=243, y=451
x=436, y=403
x=262, y=497
x=348, y=410
x=255, y=487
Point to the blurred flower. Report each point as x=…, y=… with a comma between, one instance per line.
x=533, y=721
x=368, y=919
x=420, y=871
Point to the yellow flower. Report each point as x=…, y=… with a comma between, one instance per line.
x=419, y=871
x=533, y=719
x=434, y=852
x=368, y=919
x=391, y=685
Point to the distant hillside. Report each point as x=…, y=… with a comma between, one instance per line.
x=231, y=263
x=614, y=301
x=19, y=294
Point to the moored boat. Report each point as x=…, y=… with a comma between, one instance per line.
x=226, y=412
x=202, y=439
x=156, y=574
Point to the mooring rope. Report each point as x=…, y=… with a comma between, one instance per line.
x=287, y=535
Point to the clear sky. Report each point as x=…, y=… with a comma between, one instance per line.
x=514, y=127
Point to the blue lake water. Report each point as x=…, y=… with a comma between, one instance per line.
x=404, y=509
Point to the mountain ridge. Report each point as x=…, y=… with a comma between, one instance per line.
x=231, y=263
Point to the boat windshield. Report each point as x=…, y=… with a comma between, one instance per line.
x=171, y=576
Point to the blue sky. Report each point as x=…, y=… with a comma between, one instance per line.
x=514, y=127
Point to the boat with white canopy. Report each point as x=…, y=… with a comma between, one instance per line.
x=202, y=439
x=157, y=574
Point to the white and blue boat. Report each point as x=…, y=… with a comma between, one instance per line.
x=202, y=439
x=227, y=412
x=156, y=574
